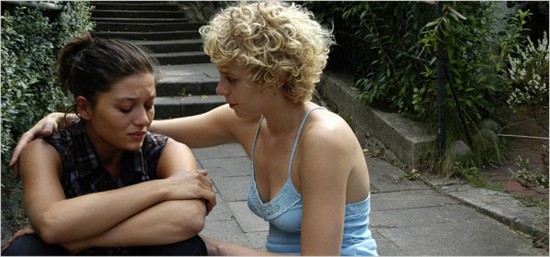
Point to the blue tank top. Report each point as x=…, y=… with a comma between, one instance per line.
x=284, y=214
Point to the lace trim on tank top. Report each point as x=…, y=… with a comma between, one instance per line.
x=288, y=196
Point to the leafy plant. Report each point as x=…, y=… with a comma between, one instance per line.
x=529, y=74
x=475, y=73
x=529, y=177
x=30, y=40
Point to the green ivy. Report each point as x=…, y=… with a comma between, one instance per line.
x=31, y=39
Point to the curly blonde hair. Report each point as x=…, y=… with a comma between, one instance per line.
x=275, y=40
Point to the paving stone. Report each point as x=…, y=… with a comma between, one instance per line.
x=248, y=221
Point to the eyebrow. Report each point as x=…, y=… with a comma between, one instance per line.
x=132, y=98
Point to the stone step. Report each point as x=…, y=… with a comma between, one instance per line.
x=188, y=79
x=187, y=88
x=168, y=46
x=164, y=35
x=135, y=5
x=182, y=80
x=147, y=27
x=178, y=86
x=139, y=20
x=181, y=58
x=173, y=107
x=151, y=13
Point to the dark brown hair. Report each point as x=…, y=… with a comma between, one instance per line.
x=87, y=66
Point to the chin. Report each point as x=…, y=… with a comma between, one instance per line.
x=133, y=147
x=246, y=115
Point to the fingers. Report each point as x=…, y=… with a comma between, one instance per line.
x=210, y=201
x=49, y=127
x=25, y=139
x=209, y=195
x=14, y=161
x=202, y=172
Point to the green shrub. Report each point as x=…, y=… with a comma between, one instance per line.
x=30, y=42
x=396, y=46
x=31, y=39
x=529, y=74
x=475, y=54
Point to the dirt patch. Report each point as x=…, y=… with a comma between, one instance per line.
x=525, y=139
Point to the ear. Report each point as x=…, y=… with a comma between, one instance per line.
x=83, y=108
x=283, y=79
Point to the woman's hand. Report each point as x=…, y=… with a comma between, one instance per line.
x=46, y=126
x=191, y=185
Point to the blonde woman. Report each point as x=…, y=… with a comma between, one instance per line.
x=310, y=180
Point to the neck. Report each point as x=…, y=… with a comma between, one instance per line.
x=284, y=118
x=108, y=156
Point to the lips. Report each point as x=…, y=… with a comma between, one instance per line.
x=138, y=135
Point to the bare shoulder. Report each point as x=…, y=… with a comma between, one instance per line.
x=329, y=128
x=37, y=147
x=38, y=153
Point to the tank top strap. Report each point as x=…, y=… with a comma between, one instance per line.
x=255, y=140
x=298, y=137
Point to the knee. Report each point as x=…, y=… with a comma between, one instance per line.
x=190, y=247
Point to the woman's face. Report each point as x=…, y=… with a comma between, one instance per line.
x=121, y=116
x=243, y=96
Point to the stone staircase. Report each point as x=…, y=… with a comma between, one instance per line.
x=188, y=82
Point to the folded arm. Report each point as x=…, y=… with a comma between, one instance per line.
x=111, y=213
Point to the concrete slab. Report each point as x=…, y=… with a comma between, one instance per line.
x=387, y=178
x=233, y=188
x=257, y=239
x=478, y=237
x=217, y=152
x=410, y=199
x=504, y=208
x=227, y=230
x=223, y=167
x=422, y=216
x=248, y=221
x=220, y=212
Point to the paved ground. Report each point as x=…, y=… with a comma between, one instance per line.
x=428, y=217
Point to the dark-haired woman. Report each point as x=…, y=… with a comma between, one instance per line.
x=104, y=185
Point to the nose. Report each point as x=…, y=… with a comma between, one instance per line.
x=222, y=88
x=143, y=116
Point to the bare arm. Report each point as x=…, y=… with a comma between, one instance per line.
x=325, y=169
x=45, y=126
x=169, y=221
x=60, y=220
x=216, y=127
